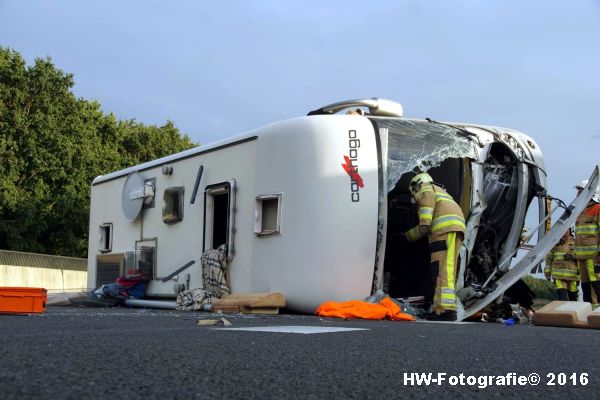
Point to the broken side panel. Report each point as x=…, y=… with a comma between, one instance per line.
x=508, y=189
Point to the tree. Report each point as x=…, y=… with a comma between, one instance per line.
x=52, y=145
x=542, y=288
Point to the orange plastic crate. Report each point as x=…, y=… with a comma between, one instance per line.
x=22, y=300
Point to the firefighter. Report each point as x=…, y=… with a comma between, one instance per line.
x=587, y=245
x=562, y=267
x=440, y=218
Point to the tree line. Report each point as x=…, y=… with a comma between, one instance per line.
x=542, y=288
x=52, y=145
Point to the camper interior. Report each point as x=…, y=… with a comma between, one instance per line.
x=406, y=265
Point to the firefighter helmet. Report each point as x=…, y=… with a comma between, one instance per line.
x=583, y=183
x=418, y=181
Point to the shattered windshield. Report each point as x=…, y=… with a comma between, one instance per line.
x=421, y=144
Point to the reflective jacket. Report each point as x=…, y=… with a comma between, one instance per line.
x=560, y=262
x=587, y=232
x=437, y=209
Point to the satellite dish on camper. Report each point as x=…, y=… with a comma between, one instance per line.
x=135, y=192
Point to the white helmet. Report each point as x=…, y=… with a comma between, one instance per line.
x=583, y=183
x=418, y=181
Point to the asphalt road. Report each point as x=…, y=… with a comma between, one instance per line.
x=75, y=353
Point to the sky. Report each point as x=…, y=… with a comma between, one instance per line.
x=221, y=68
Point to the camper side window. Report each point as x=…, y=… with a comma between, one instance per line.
x=267, y=215
x=219, y=216
x=106, y=237
x=172, y=205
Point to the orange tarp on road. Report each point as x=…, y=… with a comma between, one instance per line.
x=361, y=309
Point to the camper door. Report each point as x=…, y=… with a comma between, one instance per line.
x=219, y=216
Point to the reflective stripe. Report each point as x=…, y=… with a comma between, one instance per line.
x=559, y=284
x=443, y=197
x=572, y=286
x=547, y=270
x=450, y=243
x=589, y=229
x=414, y=234
x=446, y=221
x=563, y=271
x=567, y=273
x=586, y=250
x=448, y=294
x=448, y=304
x=426, y=213
x=588, y=247
x=590, y=269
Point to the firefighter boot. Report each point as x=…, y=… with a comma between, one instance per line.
x=573, y=296
x=586, y=288
x=448, y=315
x=562, y=294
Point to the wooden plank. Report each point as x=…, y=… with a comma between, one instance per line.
x=225, y=309
x=260, y=310
x=254, y=300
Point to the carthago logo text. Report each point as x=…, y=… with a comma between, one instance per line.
x=350, y=165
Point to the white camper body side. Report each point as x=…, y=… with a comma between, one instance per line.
x=179, y=242
x=326, y=246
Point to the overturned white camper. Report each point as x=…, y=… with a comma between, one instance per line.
x=313, y=207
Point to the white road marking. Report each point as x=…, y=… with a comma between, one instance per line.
x=305, y=330
x=422, y=321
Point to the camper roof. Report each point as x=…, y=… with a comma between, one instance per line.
x=253, y=135
x=232, y=141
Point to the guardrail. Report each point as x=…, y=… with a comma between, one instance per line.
x=54, y=273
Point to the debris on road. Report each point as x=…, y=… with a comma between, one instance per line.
x=213, y=322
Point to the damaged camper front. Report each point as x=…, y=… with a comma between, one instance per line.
x=492, y=173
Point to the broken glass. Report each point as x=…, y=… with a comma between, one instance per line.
x=420, y=144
